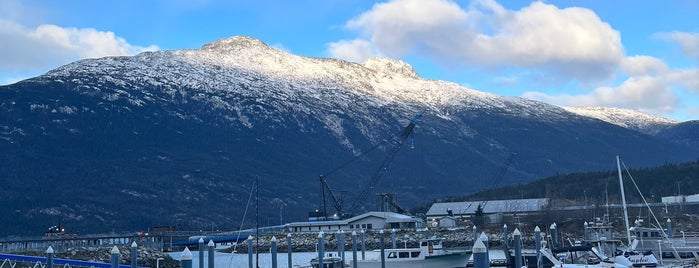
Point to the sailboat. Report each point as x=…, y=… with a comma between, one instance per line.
x=647, y=239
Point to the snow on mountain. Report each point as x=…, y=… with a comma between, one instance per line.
x=218, y=67
x=635, y=120
x=217, y=70
x=198, y=124
x=222, y=72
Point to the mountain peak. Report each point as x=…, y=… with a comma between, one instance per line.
x=235, y=42
x=390, y=67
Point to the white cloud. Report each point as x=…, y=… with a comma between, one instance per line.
x=651, y=87
x=645, y=93
x=356, y=50
x=689, y=42
x=688, y=78
x=642, y=65
x=573, y=42
x=47, y=46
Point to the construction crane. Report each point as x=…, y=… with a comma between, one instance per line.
x=396, y=142
x=390, y=199
x=499, y=175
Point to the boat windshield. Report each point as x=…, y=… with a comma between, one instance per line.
x=403, y=254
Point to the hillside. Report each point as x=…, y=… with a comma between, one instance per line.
x=595, y=187
x=177, y=138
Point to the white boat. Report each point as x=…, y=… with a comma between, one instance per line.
x=671, y=252
x=330, y=260
x=580, y=256
x=497, y=258
x=601, y=236
x=430, y=253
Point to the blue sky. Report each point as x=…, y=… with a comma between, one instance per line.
x=641, y=55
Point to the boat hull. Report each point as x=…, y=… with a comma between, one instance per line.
x=455, y=259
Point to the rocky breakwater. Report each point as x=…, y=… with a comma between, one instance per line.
x=306, y=242
x=146, y=257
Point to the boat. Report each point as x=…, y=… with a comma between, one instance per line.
x=330, y=260
x=497, y=258
x=581, y=256
x=672, y=252
x=57, y=232
x=430, y=253
x=600, y=235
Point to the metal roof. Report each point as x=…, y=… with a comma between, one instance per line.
x=490, y=207
x=386, y=216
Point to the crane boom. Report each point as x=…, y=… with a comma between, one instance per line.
x=335, y=201
x=500, y=174
x=397, y=144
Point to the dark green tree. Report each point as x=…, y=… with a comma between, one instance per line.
x=479, y=217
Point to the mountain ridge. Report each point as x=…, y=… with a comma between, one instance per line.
x=643, y=122
x=154, y=139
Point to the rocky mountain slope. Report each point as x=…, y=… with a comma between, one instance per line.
x=178, y=137
x=642, y=122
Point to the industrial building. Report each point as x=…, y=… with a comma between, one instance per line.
x=366, y=221
x=495, y=210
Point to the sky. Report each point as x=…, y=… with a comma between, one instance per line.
x=641, y=55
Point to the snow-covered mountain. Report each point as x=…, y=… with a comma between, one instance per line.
x=177, y=137
x=635, y=120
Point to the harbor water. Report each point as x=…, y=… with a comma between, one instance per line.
x=237, y=260
x=240, y=260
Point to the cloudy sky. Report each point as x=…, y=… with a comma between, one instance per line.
x=641, y=55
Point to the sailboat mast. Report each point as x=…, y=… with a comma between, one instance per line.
x=623, y=202
x=257, y=221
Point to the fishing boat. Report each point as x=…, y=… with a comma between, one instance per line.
x=671, y=252
x=581, y=256
x=599, y=234
x=430, y=253
x=330, y=260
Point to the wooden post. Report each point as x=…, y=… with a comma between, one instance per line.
x=363, y=245
x=383, y=251
x=250, y=248
x=186, y=258
x=115, y=257
x=134, y=254
x=211, y=247
x=537, y=239
x=321, y=249
x=505, y=245
x=341, y=245
x=484, y=240
x=354, y=249
x=49, y=257
x=480, y=254
x=274, y=252
x=518, y=248
x=201, y=252
x=554, y=235
x=288, y=249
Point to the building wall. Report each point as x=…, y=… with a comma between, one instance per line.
x=368, y=223
x=447, y=222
